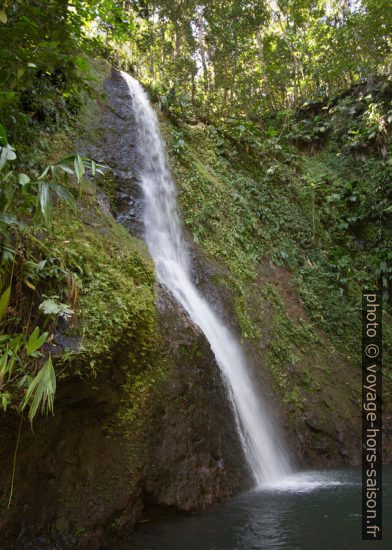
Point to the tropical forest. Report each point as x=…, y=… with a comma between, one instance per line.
x=195, y=274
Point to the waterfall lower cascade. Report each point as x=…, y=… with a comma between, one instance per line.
x=264, y=452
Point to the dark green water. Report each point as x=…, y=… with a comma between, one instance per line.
x=313, y=510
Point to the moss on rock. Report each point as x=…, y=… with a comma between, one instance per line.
x=115, y=279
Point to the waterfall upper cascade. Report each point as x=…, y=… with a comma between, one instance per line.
x=264, y=451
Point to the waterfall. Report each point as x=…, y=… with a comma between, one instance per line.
x=263, y=450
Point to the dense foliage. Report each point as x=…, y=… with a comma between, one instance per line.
x=296, y=93
x=214, y=59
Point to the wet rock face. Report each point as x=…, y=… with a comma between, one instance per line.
x=118, y=145
x=71, y=476
x=116, y=149
x=194, y=450
x=130, y=206
x=79, y=481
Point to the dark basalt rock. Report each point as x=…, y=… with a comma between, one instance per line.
x=78, y=480
x=196, y=457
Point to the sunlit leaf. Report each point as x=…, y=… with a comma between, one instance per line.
x=41, y=390
x=30, y=285
x=51, y=307
x=44, y=199
x=3, y=136
x=4, y=301
x=23, y=179
x=35, y=341
x=5, y=400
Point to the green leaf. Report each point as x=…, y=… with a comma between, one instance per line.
x=41, y=390
x=44, y=199
x=35, y=341
x=5, y=400
x=4, y=301
x=79, y=167
x=7, y=153
x=23, y=179
x=64, y=195
x=7, y=219
x=67, y=159
x=12, y=362
x=47, y=168
x=3, y=17
x=3, y=136
x=20, y=72
x=82, y=64
x=3, y=366
x=66, y=168
x=51, y=307
x=41, y=264
x=6, y=96
x=3, y=157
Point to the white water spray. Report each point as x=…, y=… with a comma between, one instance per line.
x=264, y=452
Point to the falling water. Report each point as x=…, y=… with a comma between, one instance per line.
x=263, y=450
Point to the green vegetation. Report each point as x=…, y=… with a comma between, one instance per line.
x=88, y=275
x=313, y=214
x=80, y=274
x=281, y=153
x=26, y=208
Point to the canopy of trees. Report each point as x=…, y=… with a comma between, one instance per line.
x=220, y=58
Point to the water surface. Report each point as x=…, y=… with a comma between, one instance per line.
x=313, y=510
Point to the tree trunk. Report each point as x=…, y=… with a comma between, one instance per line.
x=200, y=25
x=163, y=44
x=177, y=39
x=260, y=49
